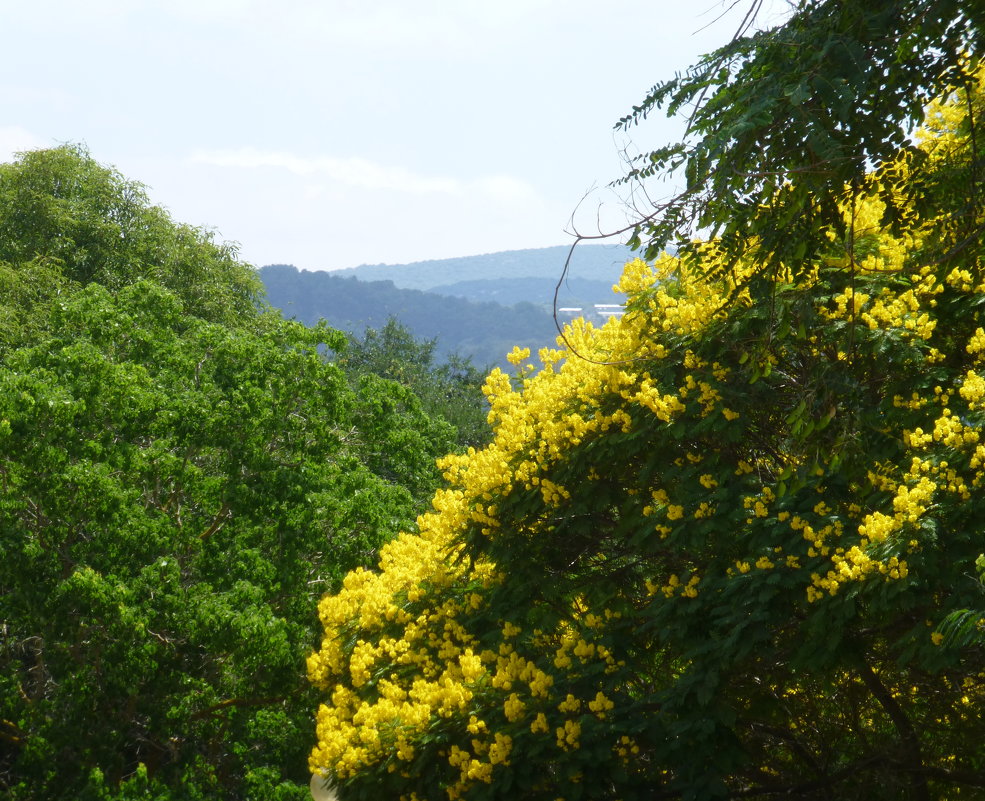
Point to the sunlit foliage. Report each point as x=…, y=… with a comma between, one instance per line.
x=182, y=475
x=449, y=389
x=709, y=549
x=803, y=106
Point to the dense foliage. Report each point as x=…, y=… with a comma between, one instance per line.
x=183, y=474
x=450, y=390
x=711, y=546
x=61, y=208
x=781, y=119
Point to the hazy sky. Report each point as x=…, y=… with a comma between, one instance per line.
x=331, y=133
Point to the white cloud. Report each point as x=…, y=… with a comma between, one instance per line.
x=365, y=174
x=506, y=189
x=352, y=171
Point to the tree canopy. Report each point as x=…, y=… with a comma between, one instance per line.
x=183, y=474
x=450, y=390
x=60, y=207
x=716, y=547
x=784, y=122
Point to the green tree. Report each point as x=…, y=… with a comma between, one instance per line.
x=782, y=123
x=450, y=390
x=711, y=546
x=25, y=295
x=183, y=474
x=60, y=207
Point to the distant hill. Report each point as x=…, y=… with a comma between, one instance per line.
x=580, y=292
x=600, y=263
x=485, y=332
x=478, y=306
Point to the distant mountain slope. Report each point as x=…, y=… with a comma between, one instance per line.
x=479, y=306
x=590, y=262
x=580, y=292
x=486, y=332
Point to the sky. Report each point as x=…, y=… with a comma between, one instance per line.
x=332, y=133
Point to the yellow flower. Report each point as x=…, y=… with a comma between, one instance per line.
x=517, y=355
x=539, y=723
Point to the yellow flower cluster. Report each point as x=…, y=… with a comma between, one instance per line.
x=412, y=650
x=972, y=389
x=906, y=311
x=401, y=663
x=641, y=433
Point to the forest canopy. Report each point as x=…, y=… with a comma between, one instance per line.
x=183, y=474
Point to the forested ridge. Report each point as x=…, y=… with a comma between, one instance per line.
x=600, y=262
x=482, y=332
x=183, y=474
x=478, y=307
